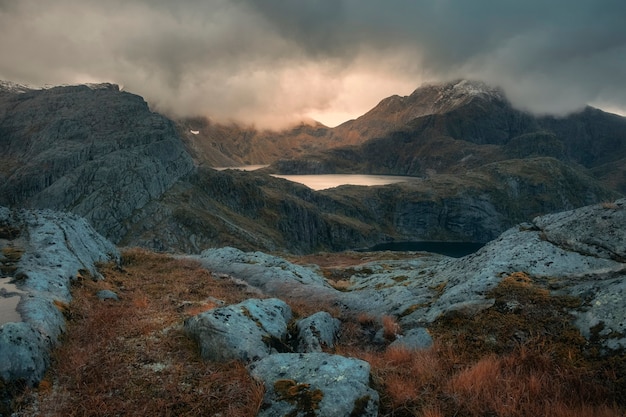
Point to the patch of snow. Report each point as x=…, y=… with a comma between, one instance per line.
x=453, y=94
x=12, y=87
x=102, y=86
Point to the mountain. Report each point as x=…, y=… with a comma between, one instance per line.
x=221, y=145
x=234, y=144
x=142, y=179
x=452, y=127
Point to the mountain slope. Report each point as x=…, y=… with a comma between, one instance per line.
x=92, y=150
x=102, y=154
x=458, y=126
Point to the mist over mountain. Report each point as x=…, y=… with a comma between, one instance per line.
x=450, y=128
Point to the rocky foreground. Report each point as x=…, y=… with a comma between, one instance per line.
x=579, y=254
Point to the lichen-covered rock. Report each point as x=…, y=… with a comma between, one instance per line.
x=315, y=384
x=43, y=252
x=24, y=353
x=272, y=274
x=592, y=230
x=107, y=295
x=578, y=253
x=317, y=332
x=247, y=331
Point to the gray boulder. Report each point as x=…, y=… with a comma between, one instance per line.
x=107, y=295
x=247, y=331
x=24, y=354
x=593, y=230
x=315, y=384
x=317, y=331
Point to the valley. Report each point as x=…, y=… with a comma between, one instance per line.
x=142, y=179
x=128, y=255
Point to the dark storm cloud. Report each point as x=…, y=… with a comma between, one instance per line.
x=270, y=60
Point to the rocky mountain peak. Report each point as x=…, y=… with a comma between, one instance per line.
x=429, y=99
x=89, y=149
x=464, y=89
x=449, y=96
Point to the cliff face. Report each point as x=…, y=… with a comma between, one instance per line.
x=92, y=150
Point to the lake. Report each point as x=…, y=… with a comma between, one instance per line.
x=452, y=249
x=326, y=181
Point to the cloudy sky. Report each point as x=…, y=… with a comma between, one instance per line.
x=276, y=61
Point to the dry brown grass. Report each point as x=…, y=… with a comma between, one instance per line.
x=132, y=358
x=391, y=327
x=527, y=383
x=520, y=358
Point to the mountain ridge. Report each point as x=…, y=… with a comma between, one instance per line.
x=136, y=176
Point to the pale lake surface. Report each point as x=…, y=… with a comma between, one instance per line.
x=9, y=299
x=326, y=181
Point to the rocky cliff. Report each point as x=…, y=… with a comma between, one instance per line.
x=254, y=211
x=93, y=150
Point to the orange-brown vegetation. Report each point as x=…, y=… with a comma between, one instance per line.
x=521, y=357
x=131, y=357
x=391, y=327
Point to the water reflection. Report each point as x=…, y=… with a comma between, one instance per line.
x=326, y=181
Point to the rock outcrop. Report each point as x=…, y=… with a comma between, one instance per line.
x=317, y=332
x=580, y=261
x=43, y=252
x=299, y=378
x=313, y=384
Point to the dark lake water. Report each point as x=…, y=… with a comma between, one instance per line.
x=453, y=249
